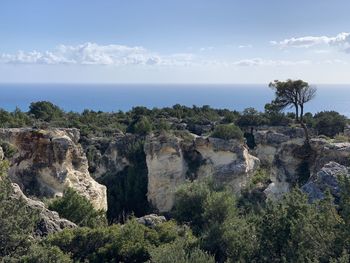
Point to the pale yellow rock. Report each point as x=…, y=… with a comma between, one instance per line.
x=49, y=161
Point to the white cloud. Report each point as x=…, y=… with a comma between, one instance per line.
x=121, y=55
x=264, y=62
x=342, y=40
x=204, y=49
x=94, y=54
x=245, y=46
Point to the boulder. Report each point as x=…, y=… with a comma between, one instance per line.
x=49, y=221
x=151, y=220
x=325, y=179
x=49, y=161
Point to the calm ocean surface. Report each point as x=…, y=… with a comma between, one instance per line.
x=76, y=97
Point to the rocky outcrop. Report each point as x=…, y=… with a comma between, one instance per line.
x=168, y=163
x=108, y=155
x=49, y=221
x=47, y=162
x=151, y=220
x=229, y=162
x=166, y=169
x=326, y=179
x=290, y=161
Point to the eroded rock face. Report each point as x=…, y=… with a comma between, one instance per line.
x=228, y=162
x=290, y=161
x=325, y=179
x=47, y=162
x=49, y=221
x=108, y=155
x=166, y=170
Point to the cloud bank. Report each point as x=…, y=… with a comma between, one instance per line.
x=94, y=54
x=342, y=41
x=121, y=55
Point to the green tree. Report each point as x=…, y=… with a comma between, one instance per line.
x=227, y=132
x=45, y=110
x=45, y=254
x=329, y=123
x=78, y=209
x=17, y=220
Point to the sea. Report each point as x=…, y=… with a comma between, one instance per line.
x=115, y=97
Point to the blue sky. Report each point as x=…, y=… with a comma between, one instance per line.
x=182, y=41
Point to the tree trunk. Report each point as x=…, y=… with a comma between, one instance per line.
x=296, y=112
x=306, y=132
x=301, y=112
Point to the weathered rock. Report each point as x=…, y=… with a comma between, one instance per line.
x=49, y=221
x=325, y=179
x=108, y=155
x=1, y=154
x=327, y=151
x=166, y=169
x=49, y=161
x=228, y=162
x=151, y=220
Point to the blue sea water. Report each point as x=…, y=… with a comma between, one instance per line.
x=77, y=97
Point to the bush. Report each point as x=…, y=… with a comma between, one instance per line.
x=45, y=254
x=177, y=253
x=131, y=242
x=17, y=220
x=227, y=132
x=329, y=123
x=45, y=110
x=251, y=117
x=142, y=126
x=78, y=209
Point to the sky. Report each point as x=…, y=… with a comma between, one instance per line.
x=174, y=41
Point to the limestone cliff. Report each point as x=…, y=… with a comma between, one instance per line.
x=166, y=169
x=46, y=162
x=168, y=162
x=290, y=161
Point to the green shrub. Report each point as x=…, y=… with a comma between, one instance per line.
x=45, y=254
x=143, y=126
x=329, y=123
x=227, y=132
x=177, y=253
x=45, y=110
x=78, y=209
x=9, y=149
x=17, y=220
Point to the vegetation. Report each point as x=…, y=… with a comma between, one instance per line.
x=78, y=209
x=227, y=132
x=208, y=223
x=329, y=123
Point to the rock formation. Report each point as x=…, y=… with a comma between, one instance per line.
x=49, y=221
x=290, y=161
x=326, y=179
x=151, y=220
x=167, y=156
x=47, y=162
x=166, y=169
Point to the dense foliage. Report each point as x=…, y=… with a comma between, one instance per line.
x=227, y=132
x=77, y=209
